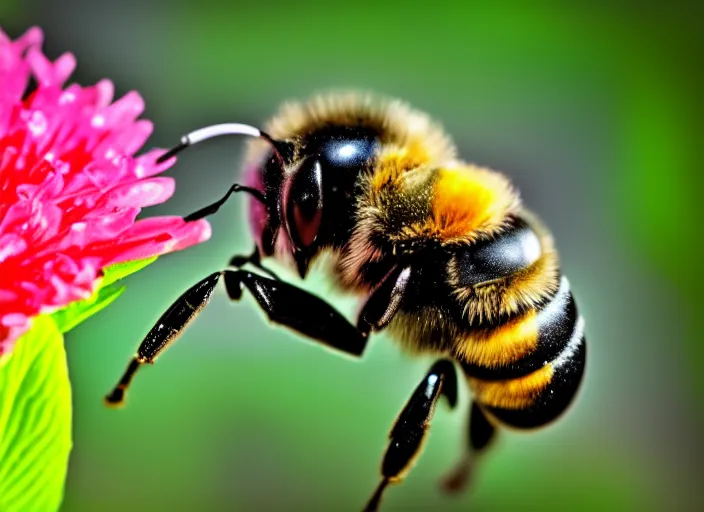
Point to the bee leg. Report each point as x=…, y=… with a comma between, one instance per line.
x=283, y=303
x=481, y=433
x=297, y=309
x=383, y=304
x=409, y=431
x=166, y=330
x=254, y=259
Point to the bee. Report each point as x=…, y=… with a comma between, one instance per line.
x=441, y=252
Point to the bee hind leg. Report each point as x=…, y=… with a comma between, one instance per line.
x=480, y=434
x=412, y=424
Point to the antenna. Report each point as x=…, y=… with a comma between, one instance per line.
x=216, y=130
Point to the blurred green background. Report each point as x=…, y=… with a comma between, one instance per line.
x=593, y=114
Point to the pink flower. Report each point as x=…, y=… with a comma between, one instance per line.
x=71, y=187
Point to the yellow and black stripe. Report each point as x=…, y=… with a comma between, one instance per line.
x=541, y=396
x=525, y=363
x=507, y=316
x=537, y=366
x=522, y=344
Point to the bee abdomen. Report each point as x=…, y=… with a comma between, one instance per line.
x=536, y=365
x=539, y=397
x=522, y=344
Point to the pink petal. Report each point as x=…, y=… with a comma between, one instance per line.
x=49, y=73
x=134, y=138
x=124, y=110
x=32, y=37
x=106, y=174
x=105, y=226
x=89, y=271
x=154, y=226
x=147, y=166
x=9, y=334
x=105, y=90
x=64, y=67
x=188, y=234
x=142, y=193
x=14, y=71
x=16, y=217
x=45, y=222
x=11, y=245
x=14, y=320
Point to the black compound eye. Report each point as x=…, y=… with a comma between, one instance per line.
x=304, y=203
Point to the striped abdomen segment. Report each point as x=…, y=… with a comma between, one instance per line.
x=524, y=370
x=542, y=368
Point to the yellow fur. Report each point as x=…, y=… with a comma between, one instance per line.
x=512, y=394
x=468, y=200
x=452, y=203
x=393, y=162
x=501, y=345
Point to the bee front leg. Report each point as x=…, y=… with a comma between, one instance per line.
x=284, y=304
x=480, y=435
x=412, y=425
x=297, y=309
x=166, y=330
x=254, y=259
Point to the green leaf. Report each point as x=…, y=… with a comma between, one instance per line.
x=121, y=270
x=35, y=421
x=76, y=312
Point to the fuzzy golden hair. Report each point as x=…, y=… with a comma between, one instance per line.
x=517, y=393
x=499, y=345
x=453, y=203
x=456, y=202
x=400, y=125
